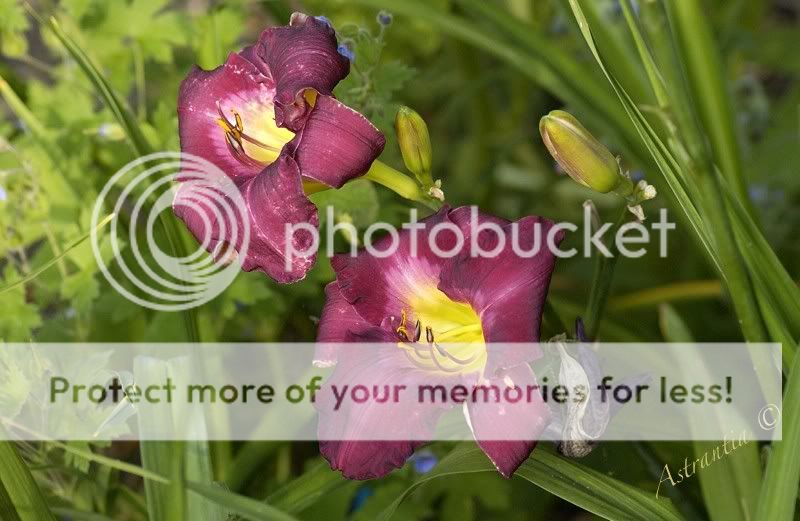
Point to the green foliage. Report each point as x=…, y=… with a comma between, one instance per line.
x=13, y=25
x=679, y=95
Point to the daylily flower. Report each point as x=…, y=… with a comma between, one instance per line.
x=438, y=317
x=268, y=120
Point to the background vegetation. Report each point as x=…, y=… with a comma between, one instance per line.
x=700, y=96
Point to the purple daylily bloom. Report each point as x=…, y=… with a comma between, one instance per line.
x=268, y=120
x=439, y=317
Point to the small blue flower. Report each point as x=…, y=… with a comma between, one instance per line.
x=362, y=494
x=637, y=175
x=347, y=52
x=424, y=461
x=385, y=18
x=325, y=20
x=104, y=130
x=3, y=194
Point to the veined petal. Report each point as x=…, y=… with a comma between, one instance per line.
x=268, y=203
x=339, y=321
x=336, y=144
x=379, y=288
x=507, y=289
x=367, y=459
x=299, y=57
x=507, y=432
x=347, y=435
x=275, y=202
x=211, y=101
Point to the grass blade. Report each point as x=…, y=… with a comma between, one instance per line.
x=138, y=142
x=581, y=486
x=709, y=91
x=20, y=496
x=778, y=497
x=241, y=505
x=121, y=111
x=107, y=219
x=304, y=491
x=737, y=475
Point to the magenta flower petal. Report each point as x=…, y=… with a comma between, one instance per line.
x=507, y=290
x=275, y=200
x=272, y=200
x=207, y=96
x=367, y=459
x=506, y=431
x=299, y=57
x=339, y=321
x=464, y=299
x=343, y=433
x=336, y=144
x=379, y=288
x=269, y=109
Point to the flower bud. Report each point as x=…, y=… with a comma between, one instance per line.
x=415, y=144
x=582, y=156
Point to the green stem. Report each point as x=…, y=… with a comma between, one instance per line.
x=553, y=319
x=690, y=290
x=400, y=183
x=601, y=285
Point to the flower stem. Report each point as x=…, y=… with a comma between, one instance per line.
x=399, y=183
x=601, y=286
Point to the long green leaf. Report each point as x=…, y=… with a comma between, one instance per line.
x=595, y=492
x=735, y=476
x=237, y=504
x=779, y=492
x=662, y=156
x=307, y=489
x=709, y=90
x=20, y=496
x=78, y=515
x=139, y=144
x=107, y=219
x=121, y=111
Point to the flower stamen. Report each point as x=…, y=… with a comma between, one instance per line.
x=236, y=138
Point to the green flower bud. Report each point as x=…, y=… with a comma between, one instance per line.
x=582, y=156
x=415, y=144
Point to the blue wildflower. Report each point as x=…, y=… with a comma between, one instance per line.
x=3, y=194
x=385, y=18
x=325, y=20
x=424, y=461
x=361, y=497
x=637, y=175
x=345, y=50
